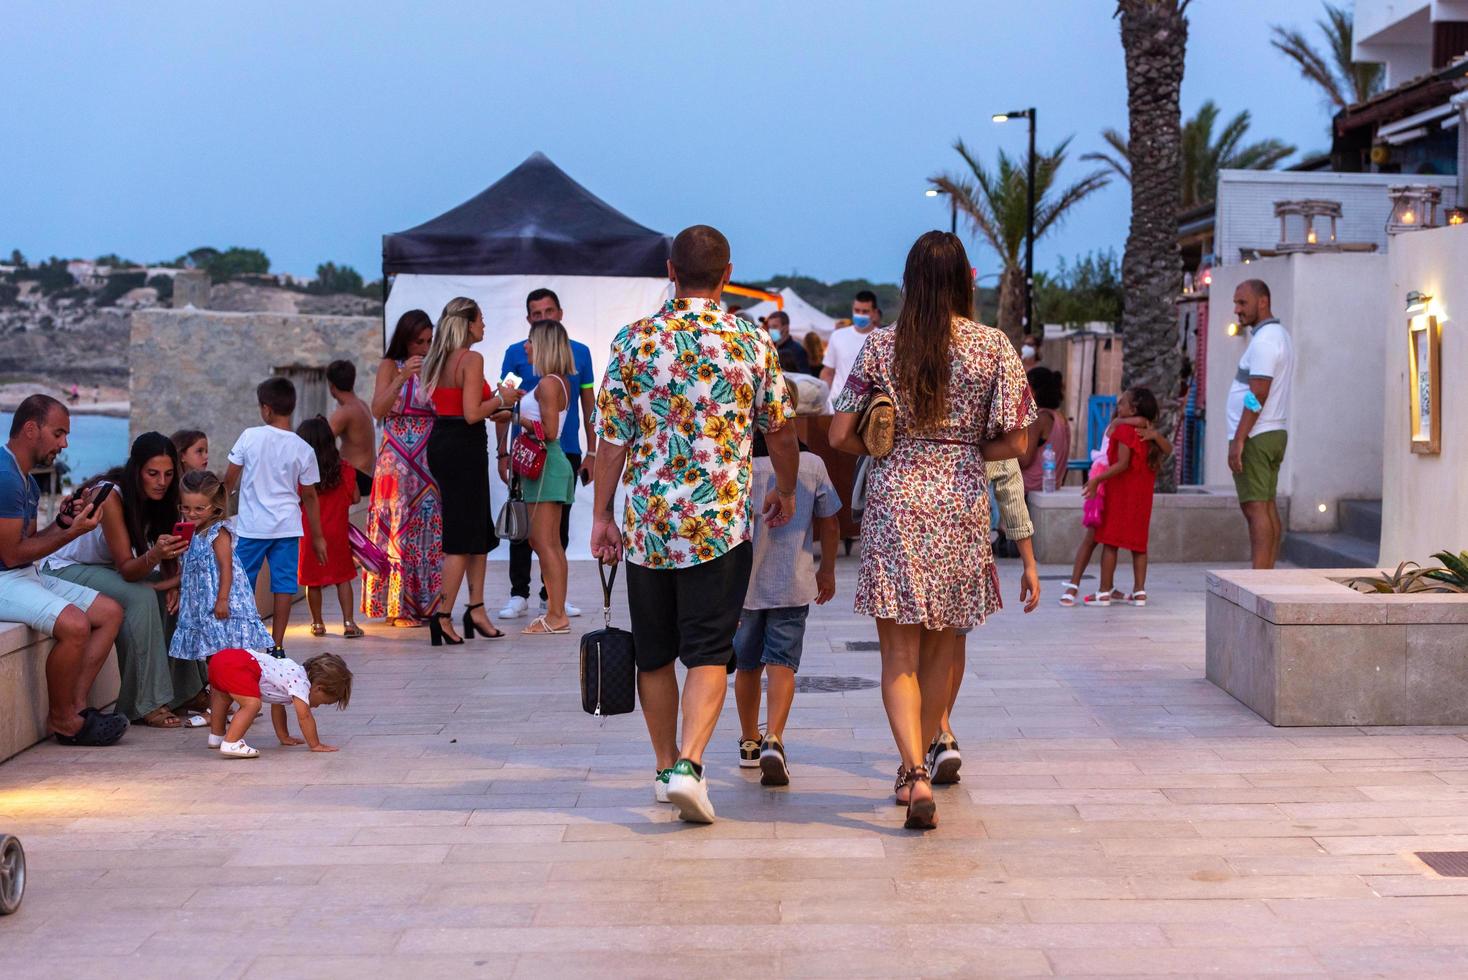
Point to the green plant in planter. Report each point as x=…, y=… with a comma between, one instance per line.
x=1404, y=580
x=1454, y=572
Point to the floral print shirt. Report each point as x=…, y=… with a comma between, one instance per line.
x=684, y=391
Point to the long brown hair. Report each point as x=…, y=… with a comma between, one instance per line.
x=318, y=435
x=1146, y=405
x=937, y=286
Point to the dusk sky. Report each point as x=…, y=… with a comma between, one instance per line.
x=805, y=130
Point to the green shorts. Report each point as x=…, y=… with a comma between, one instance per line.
x=557, y=481
x=1263, y=455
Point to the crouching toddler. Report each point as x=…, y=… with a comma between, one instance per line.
x=249, y=678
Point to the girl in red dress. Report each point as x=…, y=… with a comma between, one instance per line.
x=1135, y=453
x=336, y=493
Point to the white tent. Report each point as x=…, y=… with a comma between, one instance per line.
x=534, y=228
x=803, y=317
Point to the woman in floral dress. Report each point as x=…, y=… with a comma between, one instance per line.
x=405, y=520
x=927, y=573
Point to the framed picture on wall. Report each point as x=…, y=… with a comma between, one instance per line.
x=1424, y=383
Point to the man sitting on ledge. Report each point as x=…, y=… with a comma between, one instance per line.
x=83, y=622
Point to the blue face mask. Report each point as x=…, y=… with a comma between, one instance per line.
x=861, y=320
x=776, y=335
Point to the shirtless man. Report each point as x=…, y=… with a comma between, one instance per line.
x=351, y=423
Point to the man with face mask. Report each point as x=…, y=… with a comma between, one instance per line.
x=845, y=345
x=1029, y=351
x=793, y=359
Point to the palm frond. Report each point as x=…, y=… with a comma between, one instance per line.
x=1313, y=66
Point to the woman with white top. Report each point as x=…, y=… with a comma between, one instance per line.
x=550, y=354
x=132, y=558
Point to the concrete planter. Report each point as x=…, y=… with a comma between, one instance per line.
x=1197, y=524
x=1300, y=648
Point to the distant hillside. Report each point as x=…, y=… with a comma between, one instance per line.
x=834, y=299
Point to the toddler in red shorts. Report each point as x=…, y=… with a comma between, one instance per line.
x=250, y=678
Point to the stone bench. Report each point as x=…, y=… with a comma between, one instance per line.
x=23, y=703
x=1197, y=524
x=1301, y=648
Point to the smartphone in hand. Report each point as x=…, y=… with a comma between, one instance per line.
x=512, y=379
x=99, y=498
x=184, y=530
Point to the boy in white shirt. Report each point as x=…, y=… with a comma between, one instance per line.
x=276, y=473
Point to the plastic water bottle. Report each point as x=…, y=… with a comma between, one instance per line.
x=1047, y=462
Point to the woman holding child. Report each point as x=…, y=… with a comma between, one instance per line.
x=132, y=556
x=927, y=572
x=405, y=520
x=458, y=458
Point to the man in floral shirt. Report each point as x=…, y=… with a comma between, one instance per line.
x=684, y=392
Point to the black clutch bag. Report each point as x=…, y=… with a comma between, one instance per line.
x=608, y=661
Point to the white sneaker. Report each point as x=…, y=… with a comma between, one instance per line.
x=572, y=611
x=215, y=741
x=689, y=792
x=660, y=785
x=515, y=608
x=238, y=750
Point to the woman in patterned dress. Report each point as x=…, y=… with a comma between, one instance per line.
x=405, y=520
x=927, y=574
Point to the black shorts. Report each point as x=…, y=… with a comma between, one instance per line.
x=688, y=614
x=364, y=484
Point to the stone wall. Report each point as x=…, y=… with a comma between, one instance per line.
x=199, y=368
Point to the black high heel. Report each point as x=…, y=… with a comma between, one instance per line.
x=471, y=628
x=436, y=635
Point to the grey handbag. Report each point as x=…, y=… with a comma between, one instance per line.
x=514, y=520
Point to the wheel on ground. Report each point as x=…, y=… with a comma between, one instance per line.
x=12, y=874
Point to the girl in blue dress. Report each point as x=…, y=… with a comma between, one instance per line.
x=216, y=606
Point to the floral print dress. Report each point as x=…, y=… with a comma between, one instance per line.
x=200, y=634
x=925, y=555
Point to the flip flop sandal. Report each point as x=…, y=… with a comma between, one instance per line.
x=318, y=629
x=351, y=630
x=1068, y=598
x=545, y=628
x=160, y=718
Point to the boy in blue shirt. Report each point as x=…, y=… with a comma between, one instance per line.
x=543, y=304
x=783, y=582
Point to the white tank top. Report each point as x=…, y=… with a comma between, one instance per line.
x=530, y=411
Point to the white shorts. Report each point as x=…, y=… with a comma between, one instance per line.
x=27, y=596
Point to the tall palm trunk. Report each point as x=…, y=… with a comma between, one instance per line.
x=1154, y=34
x=1012, y=303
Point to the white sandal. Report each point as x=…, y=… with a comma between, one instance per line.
x=238, y=750
x=1068, y=598
x=1138, y=598
x=1104, y=598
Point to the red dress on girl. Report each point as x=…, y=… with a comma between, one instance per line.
x=1127, y=514
x=334, y=504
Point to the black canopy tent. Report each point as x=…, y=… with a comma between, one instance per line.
x=535, y=220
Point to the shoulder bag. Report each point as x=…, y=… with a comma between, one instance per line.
x=527, y=455
x=513, y=523
x=608, y=661
x=877, y=425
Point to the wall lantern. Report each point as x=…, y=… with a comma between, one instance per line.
x=1456, y=216
x=1414, y=206
x=1424, y=376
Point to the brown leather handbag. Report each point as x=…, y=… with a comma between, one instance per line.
x=877, y=425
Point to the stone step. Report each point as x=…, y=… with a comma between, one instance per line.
x=1329, y=550
x=1361, y=519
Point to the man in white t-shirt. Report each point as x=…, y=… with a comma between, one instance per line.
x=276, y=472
x=1258, y=403
x=845, y=344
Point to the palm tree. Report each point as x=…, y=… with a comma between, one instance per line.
x=1203, y=155
x=996, y=204
x=1154, y=35
x=1344, y=82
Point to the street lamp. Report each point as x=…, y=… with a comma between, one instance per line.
x=952, y=208
x=1029, y=114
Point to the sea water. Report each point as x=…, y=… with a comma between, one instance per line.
x=97, y=443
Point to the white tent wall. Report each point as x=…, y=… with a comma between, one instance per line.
x=596, y=307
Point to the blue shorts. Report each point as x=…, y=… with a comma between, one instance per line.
x=772, y=637
x=282, y=553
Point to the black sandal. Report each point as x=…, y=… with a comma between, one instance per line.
x=436, y=635
x=471, y=627
x=98, y=730
x=921, y=814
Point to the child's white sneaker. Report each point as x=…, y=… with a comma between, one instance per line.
x=215, y=741
x=238, y=750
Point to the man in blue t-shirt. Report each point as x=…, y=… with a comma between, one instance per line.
x=83, y=621
x=543, y=304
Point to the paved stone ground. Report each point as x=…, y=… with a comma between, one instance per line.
x=1118, y=816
